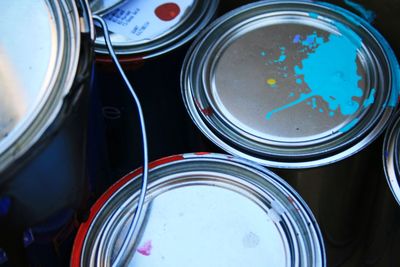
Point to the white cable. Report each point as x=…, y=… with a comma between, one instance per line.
x=131, y=230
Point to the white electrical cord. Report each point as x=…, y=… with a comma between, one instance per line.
x=134, y=224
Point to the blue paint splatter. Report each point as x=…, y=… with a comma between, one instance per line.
x=331, y=73
x=314, y=103
x=371, y=99
x=282, y=56
x=291, y=94
x=395, y=94
x=349, y=126
x=313, y=15
x=312, y=41
x=369, y=15
x=263, y=53
x=299, y=81
x=296, y=39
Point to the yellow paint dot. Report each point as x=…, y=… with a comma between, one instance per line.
x=271, y=81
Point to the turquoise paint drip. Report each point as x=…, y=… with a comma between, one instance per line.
x=282, y=56
x=331, y=73
x=368, y=15
x=395, y=93
x=314, y=103
x=371, y=99
x=294, y=103
x=349, y=126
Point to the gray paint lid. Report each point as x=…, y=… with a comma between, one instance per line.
x=101, y=6
x=290, y=79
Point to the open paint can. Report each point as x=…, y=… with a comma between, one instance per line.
x=150, y=39
x=298, y=86
x=45, y=64
x=203, y=210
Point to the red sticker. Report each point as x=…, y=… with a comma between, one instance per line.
x=167, y=11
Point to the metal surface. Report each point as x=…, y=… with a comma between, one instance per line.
x=193, y=19
x=251, y=83
x=42, y=156
x=231, y=210
x=30, y=70
x=391, y=157
x=100, y=7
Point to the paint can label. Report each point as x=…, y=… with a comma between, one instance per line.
x=143, y=20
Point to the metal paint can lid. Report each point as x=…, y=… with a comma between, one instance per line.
x=39, y=51
x=291, y=84
x=391, y=157
x=204, y=210
x=102, y=6
x=147, y=29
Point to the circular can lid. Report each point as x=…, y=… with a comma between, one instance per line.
x=204, y=210
x=290, y=83
x=38, y=57
x=102, y=6
x=391, y=157
x=147, y=29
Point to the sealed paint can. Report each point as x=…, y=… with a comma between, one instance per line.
x=298, y=86
x=49, y=243
x=46, y=55
x=383, y=243
x=150, y=40
x=203, y=210
x=391, y=158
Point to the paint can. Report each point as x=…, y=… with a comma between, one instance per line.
x=44, y=75
x=301, y=87
x=383, y=242
x=150, y=41
x=48, y=243
x=233, y=211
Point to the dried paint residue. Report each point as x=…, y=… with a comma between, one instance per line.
x=271, y=82
x=369, y=15
x=330, y=73
x=146, y=248
x=167, y=11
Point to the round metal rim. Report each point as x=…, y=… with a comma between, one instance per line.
x=390, y=157
x=101, y=9
x=81, y=239
x=236, y=146
x=48, y=107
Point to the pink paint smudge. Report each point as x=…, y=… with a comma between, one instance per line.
x=145, y=249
